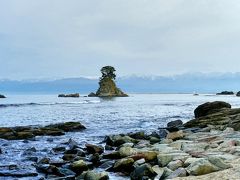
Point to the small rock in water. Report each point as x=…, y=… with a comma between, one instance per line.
x=142, y=171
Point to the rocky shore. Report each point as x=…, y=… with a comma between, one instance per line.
x=204, y=148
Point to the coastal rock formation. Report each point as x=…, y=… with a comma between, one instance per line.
x=2, y=96
x=238, y=94
x=76, y=95
x=28, y=132
x=226, y=93
x=108, y=88
x=92, y=94
x=210, y=108
x=221, y=117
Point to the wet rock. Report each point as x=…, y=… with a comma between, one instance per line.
x=65, y=172
x=92, y=149
x=44, y=161
x=59, y=149
x=238, y=94
x=137, y=135
x=109, y=148
x=76, y=95
x=24, y=135
x=173, y=124
x=107, y=165
x=29, y=151
x=143, y=171
x=95, y=158
x=34, y=159
x=181, y=172
x=72, y=144
x=69, y=157
x=225, y=93
x=79, y=166
x=46, y=169
x=210, y=108
x=112, y=155
x=123, y=165
x=154, y=140
x=118, y=140
x=163, y=133
x=176, y=135
x=67, y=126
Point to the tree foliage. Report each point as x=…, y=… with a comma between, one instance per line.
x=108, y=72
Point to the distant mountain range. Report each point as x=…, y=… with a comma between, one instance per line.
x=185, y=83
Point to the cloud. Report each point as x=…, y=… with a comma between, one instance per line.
x=62, y=38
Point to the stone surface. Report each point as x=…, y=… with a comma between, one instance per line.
x=210, y=108
x=124, y=165
x=91, y=148
x=175, y=135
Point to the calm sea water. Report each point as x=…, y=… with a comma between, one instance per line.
x=100, y=116
x=104, y=116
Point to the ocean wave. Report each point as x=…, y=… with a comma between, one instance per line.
x=48, y=104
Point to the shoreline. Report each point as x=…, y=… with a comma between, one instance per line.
x=174, y=152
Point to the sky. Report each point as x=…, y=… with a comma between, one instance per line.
x=73, y=38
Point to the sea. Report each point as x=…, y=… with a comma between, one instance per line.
x=101, y=117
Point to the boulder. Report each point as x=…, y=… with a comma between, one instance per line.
x=210, y=108
x=79, y=166
x=226, y=93
x=174, y=165
x=238, y=94
x=144, y=171
x=181, y=172
x=76, y=95
x=164, y=159
x=176, y=135
x=92, y=175
x=222, y=119
x=127, y=151
x=2, y=96
x=118, y=140
x=124, y=165
x=92, y=149
x=201, y=167
x=176, y=123
x=92, y=95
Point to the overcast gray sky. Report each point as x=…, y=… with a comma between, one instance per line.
x=71, y=38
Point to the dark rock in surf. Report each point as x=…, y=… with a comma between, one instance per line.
x=238, y=94
x=76, y=95
x=226, y=93
x=2, y=96
x=92, y=95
